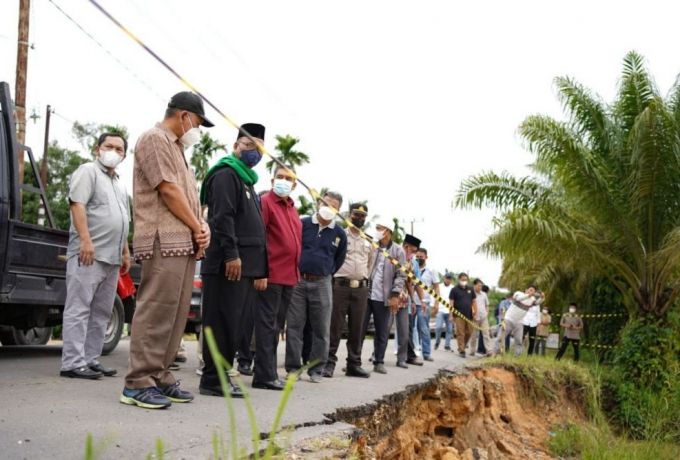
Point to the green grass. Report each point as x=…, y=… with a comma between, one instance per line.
x=593, y=442
x=655, y=413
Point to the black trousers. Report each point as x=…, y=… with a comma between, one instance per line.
x=351, y=303
x=245, y=349
x=565, y=344
x=531, y=331
x=224, y=303
x=307, y=341
x=381, y=319
x=266, y=307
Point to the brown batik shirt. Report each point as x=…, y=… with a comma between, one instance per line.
x=159, y=156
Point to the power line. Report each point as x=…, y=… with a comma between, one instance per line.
x=108, y=52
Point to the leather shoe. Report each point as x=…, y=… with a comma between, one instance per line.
x=414, y=361
x=245, y=369
x=277, y=385
x=402, y=364
x=357, y=372
x=107, y=371
x=217, y=391
x=81, y=373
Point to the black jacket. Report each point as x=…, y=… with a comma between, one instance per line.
x=236, y=226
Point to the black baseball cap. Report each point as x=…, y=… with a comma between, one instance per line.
x=358, y=208
x=186, y=100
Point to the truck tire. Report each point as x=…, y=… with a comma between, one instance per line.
x=114, y=329
x=10, y=336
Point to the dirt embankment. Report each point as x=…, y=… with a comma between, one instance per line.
x=487, y=413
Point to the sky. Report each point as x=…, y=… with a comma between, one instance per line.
x=395, y=102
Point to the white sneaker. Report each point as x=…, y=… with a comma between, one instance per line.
x=199, y=371
x=396, y=351
x=417, y=353
x=233, y=373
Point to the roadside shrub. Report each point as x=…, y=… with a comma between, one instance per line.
x=648, y=352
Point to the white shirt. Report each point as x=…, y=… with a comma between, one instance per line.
x=516, y=314
x=444, y=291
x=482, y=305
x=532, y=316
x=429, y=277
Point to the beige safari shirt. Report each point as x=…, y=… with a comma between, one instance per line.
x=572, y=320
x=357, y=264
x=159, y=156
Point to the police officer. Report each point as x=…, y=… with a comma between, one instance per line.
x=350, y=296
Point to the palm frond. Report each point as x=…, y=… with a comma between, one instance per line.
x=499, y=191
x=589, y=116
x=636, y=91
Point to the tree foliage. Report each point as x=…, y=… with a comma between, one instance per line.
x=287, y=153
x=87, y=134
x=603, y=197
x=203, y=152
x=62, y=163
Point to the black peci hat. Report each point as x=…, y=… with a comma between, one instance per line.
x=412, y=240
x=186, y=100
x=254, y=129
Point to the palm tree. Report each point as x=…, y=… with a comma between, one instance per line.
x=287, y=155
x=603, y=198
x=203, y=152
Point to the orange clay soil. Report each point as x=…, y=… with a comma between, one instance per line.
x=485, y=413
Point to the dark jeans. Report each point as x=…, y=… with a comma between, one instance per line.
x=311, y=300
x=406, y=349
x=565, y=344
x=381, y=319
x=351, y=303
x=307, y=340
x=224, y=303
x=266, y=308
x=532, y=337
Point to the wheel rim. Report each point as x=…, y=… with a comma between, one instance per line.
x=112, y=327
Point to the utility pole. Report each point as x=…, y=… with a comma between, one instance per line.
x=413, y=221
x=20, y=84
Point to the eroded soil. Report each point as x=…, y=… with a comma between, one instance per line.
x=483, y=413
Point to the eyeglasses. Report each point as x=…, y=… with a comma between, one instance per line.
x=249, y=145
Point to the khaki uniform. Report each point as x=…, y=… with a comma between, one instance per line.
x=350, y=299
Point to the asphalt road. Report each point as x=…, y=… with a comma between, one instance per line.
x=43, y=415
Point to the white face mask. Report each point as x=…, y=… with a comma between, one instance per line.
x=462, y=283
x=545, y=311
x=326, y=213
x=378, y=235
x=572, y=310
x=190, y=137
x=109, y=158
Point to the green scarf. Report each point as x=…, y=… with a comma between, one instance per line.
x=246, y=174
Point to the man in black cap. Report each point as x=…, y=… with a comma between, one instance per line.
x=236, y=263
x=169, y=236
x=350, y=296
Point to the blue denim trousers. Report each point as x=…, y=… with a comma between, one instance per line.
x=443, y=319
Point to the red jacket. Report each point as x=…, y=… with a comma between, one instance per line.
x=284, y=238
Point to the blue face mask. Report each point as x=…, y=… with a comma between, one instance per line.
x=251, y=157
x=282, y=187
